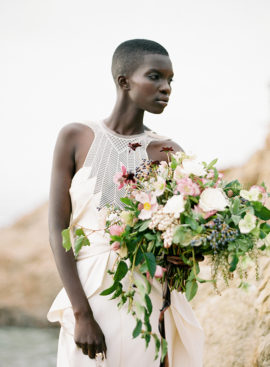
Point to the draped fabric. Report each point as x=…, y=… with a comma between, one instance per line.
x=183, y=332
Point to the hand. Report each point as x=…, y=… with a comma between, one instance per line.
x=89, y=337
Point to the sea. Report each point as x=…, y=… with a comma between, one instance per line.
x=24, y=347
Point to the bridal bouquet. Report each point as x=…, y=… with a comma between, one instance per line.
x=174, y=215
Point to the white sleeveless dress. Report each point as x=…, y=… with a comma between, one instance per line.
x=92, y=187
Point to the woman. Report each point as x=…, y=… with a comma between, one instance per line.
x=86, y=158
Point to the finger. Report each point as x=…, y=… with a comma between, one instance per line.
x=105, y=349
x=85, y=349
x=91, y=351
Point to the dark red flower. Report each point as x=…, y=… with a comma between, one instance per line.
x=167, y=149
x=134, y=146
x=154, y=163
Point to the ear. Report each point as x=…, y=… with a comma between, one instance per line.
x=123, y=82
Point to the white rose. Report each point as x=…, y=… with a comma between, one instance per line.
x=213, y=199
x=248, y=223
x=191, y=166
x=175, y=205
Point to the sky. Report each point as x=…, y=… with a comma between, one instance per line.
x=55, y=58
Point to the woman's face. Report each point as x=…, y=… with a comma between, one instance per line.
x=150, y=83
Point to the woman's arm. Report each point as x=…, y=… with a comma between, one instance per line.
x=87, y=334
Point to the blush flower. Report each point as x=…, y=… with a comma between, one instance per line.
x=116, y=230
x=198, y=210
x=148, y=204
x=124, y=177
x=187, y=187
x=115, y=246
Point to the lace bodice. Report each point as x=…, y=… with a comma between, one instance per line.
x=108, y=152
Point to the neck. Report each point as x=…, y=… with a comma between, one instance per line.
x=125, y=118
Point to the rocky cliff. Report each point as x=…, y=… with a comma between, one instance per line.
x=236, y=323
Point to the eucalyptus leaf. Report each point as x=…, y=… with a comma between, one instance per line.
x=164, y=348
x=137, y=330
x=157, y=346
x=144, y=225
x=148, y=304
x=121, y=271
x=191, y=289
x=233, y=263
x=110, y=290
x=151, y=263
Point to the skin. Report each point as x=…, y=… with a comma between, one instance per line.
x=136, y=93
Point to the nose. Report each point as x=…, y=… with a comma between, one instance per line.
x=165, y=88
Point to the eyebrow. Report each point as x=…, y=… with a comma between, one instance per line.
x=157, y=71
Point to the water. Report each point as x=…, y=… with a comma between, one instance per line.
x=24, y=347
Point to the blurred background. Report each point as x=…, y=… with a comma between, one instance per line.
x=55, y=68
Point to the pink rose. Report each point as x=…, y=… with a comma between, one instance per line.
x=116, y=230
x=187, y=187
x=115, y=246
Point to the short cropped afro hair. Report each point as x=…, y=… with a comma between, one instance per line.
x=128, y=55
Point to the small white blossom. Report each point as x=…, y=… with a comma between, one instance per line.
x=248, y=223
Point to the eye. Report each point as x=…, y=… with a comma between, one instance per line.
x=153, y=76
x=170, y=81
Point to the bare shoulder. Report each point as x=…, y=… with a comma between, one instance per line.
x=74, y=141
x=157, y=149
x=74, y=131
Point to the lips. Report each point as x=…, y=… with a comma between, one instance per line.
x=162, y=102
x=164, y=99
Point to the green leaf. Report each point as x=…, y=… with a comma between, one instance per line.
x=192, y=223
x=137, y=329
x=157, y=345
x=263, y=213
x=79, y=232
x=79, y=243
x=139, y=309
x=235, y=206
x=148, y=304
x=139, y=257
x=147, y=338
x=182, y=236
x=150, y=236
x=164, y=348
x=127, y=201
x=264, y=230
x=211, y=164
x=233, y=263
x=118, y=291
x=148, y=285
x=151, y=263
x=66, y=243
x=191, y=289
x=121, y=271
x=144, y=225
x=235, y=219
x=109, y=290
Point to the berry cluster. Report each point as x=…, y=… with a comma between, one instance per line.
x=145, y=169
x=219, y=233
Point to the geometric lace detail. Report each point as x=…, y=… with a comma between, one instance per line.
x=107, y=153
